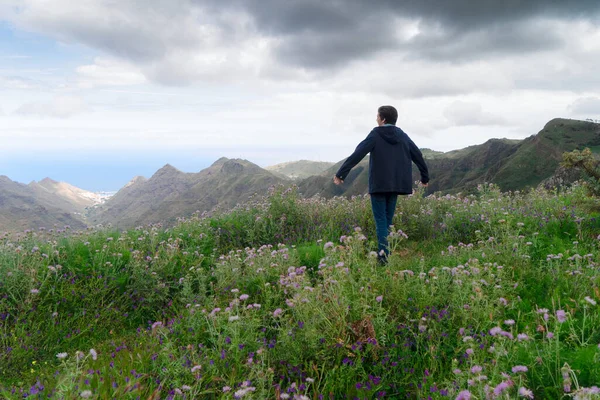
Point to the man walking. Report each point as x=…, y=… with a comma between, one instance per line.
x=390, y=170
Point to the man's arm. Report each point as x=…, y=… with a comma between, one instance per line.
x=361, y=151
x=417, y=158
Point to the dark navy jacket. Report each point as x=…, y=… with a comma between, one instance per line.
x=392, y=154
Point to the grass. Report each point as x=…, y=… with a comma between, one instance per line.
x=491, y=293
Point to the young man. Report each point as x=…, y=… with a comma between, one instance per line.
x=390, y=170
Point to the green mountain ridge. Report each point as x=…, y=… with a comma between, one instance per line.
x=511, y=164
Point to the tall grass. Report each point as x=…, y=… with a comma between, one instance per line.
x=491, y=295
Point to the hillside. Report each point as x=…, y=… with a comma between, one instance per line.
x=300, y=169
x=511, y=164
x=170, y=194
x=24, y=207
x=72, y=197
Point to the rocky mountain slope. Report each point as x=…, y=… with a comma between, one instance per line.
x=170, y=193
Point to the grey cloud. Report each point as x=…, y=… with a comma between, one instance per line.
x=462, y=113
x=321, y=36
x=324, y=34
x=586, y=106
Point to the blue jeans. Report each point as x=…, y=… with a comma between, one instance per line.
x=384, y=206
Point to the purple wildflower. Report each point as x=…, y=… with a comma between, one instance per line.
x=524, y=392
x=464, y=395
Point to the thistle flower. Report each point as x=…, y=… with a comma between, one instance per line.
x=561, y=316
x=86, y=394
x=379, y=299
x=502, y=386
x=522, y=336
x=244, y=297
x=524, y=392
x=62, y=355
x=519, y=368
x=93, y=354
x=464, y=395
x=476, y=369
x=277, y=312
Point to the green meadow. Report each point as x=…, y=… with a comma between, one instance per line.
x=486, y=296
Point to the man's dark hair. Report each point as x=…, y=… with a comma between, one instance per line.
x=389, y=114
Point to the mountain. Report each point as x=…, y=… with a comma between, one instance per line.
x=170, y=194
x=511, y=164
x=299, y=169
x=73, y=197
x=31, y=207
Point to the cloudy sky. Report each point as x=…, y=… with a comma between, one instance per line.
x=94, y=92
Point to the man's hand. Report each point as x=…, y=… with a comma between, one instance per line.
x=424, y=184
x=337, y=180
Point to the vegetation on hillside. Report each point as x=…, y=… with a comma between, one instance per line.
x=585, y=161
x=489, y=295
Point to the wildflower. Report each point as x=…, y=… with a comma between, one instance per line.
x=519, y=368
x=522, y=336
x=93, y=354
x=196, y=368
x=495, y=330
x=34, y=291
x=234, y=318
x=310, y=380
x=186, y=388
x=62, y=355
x=464, y=395
x=503, y=301
x=328, y=245
x=561, y=316
x=235, y=290
x=86, y=394
x=284, y=396
x=502, y=386
x=457, y=371
x=244, y=297
x=524, y=392
x=590, y=300
x=226, y=389
x=178, y=391
x=379, y=299
x=476, y=369
x=550, y=335
x=277, y=312
x=509, y=322
x=469, y=351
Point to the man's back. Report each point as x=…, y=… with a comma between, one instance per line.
x=392, y=154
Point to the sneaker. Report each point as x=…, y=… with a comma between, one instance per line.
x=382, y=260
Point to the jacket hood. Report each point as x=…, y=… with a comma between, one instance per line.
x=391, y=134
